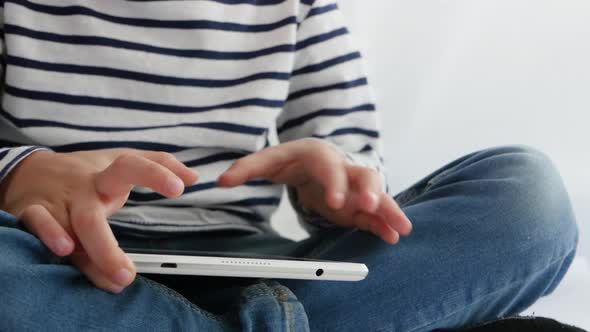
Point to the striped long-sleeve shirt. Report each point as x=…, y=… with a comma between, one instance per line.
x=206, y=80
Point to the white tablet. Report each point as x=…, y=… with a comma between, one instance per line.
x=229, y=264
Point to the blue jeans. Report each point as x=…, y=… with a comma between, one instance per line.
x=493, y=232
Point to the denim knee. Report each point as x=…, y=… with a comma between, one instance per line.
x=536, y=200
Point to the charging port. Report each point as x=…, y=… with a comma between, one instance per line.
x=169, y=265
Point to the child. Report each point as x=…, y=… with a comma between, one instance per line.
x=110, y=108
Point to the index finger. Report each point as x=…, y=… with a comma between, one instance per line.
x=129, y=170
x=393, y=215
x=89, y=223
x=293, y=163
x=266, y=163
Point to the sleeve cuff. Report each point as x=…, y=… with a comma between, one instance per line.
x=309, y=220
x=10, y=157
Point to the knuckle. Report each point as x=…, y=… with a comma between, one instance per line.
x=154, y=168
x=112, y=262
x=123, y=160
x=30, y=210
x=328, y=149
x=29, y=213
x=322, y=147
x=165, y=157
x=239, y=163
x=83, y=220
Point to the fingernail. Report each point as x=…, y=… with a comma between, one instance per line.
x=115, y=289
x=122, y=277
x=339, y=198
x=374, y=201
x=374, y=196
x=61, y=245
x=174, y=185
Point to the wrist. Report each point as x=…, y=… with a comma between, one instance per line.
x=308, y=215
x=19, y=172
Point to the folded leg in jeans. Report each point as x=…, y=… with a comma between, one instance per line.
x=493, y=232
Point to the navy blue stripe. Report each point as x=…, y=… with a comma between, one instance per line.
x=153, y=23
x=144, y=77
x=235, y=2
x=320, y=38
x=214, y=158
x=322, y=10
x=116, y=43
x=14, y=160
x=249, y=202
x=4, y=153
x=347, y=131
x=222, y=126
x=259, y=183
x=308, y=2
x=327, y=64
x=88, y=146
x=337, y=86
x=153, y=196
x=367, y=148
x=255, y=201
x=324, y=112
x=136, y=105
x=249, y=2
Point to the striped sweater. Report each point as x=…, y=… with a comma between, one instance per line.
x=207, y=80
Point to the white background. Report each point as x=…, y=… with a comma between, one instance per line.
x=453, y=77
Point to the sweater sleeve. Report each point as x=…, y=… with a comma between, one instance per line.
x=329, y=97
x=11, y=153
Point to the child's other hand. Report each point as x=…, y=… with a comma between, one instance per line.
x=344, y=194
x=65, y=198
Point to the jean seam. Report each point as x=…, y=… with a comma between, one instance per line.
x=280, y=293
x=286, y=299
x=409, y=195
x=482, y=297
x=270, y=287
x=437, y=178
x=162, y=289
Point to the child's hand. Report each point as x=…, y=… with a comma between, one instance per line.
x=65, y=198
x=326, y=183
